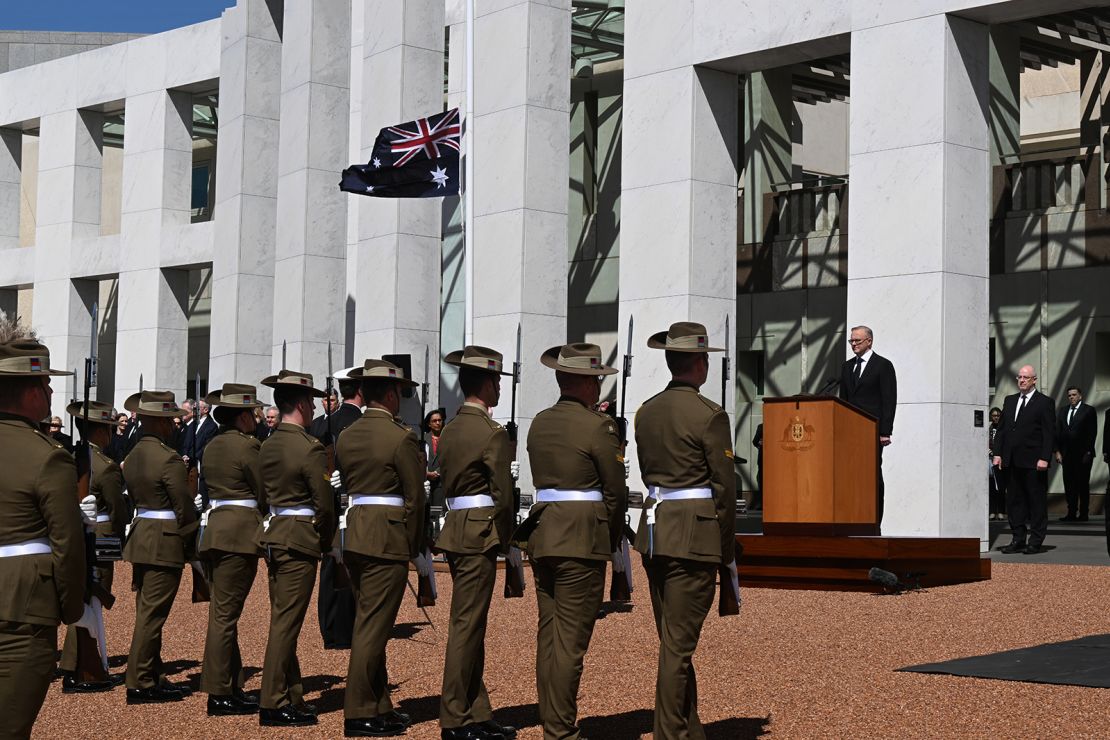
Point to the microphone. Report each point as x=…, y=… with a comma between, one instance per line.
x=828, y=386
x=886, y=579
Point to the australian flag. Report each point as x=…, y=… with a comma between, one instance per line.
x=418, y=159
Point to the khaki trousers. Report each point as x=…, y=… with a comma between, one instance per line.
x=155, y=590
x=569, y=593
x=379, y=586
x=69, y=646
x=26, y=669
x=681, y=594
x=292, y=575
x=464, y=700
x=231, y=576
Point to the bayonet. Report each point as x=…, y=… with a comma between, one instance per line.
x=725, y=365
x=283, y=355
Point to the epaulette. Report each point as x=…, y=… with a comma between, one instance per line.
x=48, y=440
x=713, y=405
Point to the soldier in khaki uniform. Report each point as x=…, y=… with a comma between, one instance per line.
x=227, y=542
x=42, y=552
x=687, y=529
x=382, y=468
x=578, y=519
x=474, y=465
x=110, y=514
x=162, y=540
x=297, y=531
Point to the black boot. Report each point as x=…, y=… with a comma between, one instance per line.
x=154, y=695
x=287, y=716
x=70, y=685
x=228, y=705
x=383, y=726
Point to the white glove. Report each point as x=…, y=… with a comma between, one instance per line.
x=427, y=488
x=198, y=502
x=618, y=561
x=336, y=554
x=336, y=480
x=88, y=509
x=423, y=564
x=512, y=558
x=88, y=618
x=514, y=470
x=627, y=468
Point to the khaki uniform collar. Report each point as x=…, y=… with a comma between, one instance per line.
x=476, y=406
x=681, y=385
x=288, y=426
x=375, y=410
x=4, y=416
x=571, y=400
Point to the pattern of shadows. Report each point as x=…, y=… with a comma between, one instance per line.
x=614, y=607
x=175, y=667
x=331, y=695
x=623, y=726
x=737, y=728
x=422, y=709
x=520, y=716
x=407, y=630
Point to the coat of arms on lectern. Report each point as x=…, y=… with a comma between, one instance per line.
x=798, y=436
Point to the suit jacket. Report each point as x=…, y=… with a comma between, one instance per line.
x=263, y=431
x=1022, y=442
x=157, y=479
x=194, y=442
x=294, y=473
x=344, y=416
x=233, y=471
x=378, y=454
x=1076, y=441
x=684, y=440
x=474, y=456
x=38, y=498
x=106, y=483
x=1106, y=439
x=574, y=448
x=876, y=391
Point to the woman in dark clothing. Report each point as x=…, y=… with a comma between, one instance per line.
x=997, y=476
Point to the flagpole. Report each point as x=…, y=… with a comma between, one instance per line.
x=468, y=195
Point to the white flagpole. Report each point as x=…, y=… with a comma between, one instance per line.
x=468, y=196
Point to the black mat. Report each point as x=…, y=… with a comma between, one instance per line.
x=1082, y=662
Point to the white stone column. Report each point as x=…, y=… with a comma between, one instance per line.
x=68, y=200
x=11, y=160
x=678, y=221
x=311, y=252
x=246, y=193
x=768, y=121
x=152, y=330
x=918, y=263
x=398, y=254
x=521, y=175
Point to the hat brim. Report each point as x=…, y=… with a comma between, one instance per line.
x=357, y=374
x=550, y=358
x=213, y=399
x=659, y=341
x=132, y=404
x=44, y=374
x=77, y=411
x=272, y=382
x=455, y=359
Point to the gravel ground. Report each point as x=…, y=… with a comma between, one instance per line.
x=794, y=664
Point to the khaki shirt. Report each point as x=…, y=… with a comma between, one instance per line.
x=157, y=479
x=106, y=484
x=474, y=454
x=684, y=440
x=294, y=473
x=378, y=454
x=38, y=498
x=574, y=448
x=232, y=471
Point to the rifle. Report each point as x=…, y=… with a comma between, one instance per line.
x=426, y=584
x=729, y=604
x=621, y=587
x=514, y=566
x=201, y=591
x=92, y=650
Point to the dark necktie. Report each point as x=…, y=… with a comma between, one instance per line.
x=1020, y=407
x=858, y=370
x=1071, y=415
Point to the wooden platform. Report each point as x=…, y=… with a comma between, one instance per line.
x=842, y=563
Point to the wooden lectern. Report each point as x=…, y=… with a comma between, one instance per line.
x=820, y=465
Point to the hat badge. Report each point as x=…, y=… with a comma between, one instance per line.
x=36, y=364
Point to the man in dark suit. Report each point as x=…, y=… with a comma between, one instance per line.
x=1023, y=446
x=197, y=435
x=868, y=382
x=1106, y=459
x=1076, y=429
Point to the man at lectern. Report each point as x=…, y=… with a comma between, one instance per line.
x=868, y=382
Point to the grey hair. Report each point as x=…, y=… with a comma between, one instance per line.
x=861, y=327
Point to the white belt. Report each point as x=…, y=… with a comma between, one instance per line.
x=661, y=494
x=248, y=503
x=38, y=546
x=292, y=511
x=555, y=495
x=469, y=502
x=102, y=518
x=142, y=513
x=375, y=499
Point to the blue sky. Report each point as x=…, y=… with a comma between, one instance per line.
x=121, y=16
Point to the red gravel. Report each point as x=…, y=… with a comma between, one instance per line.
x=794, y=664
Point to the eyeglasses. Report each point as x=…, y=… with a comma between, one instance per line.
x=857, y=341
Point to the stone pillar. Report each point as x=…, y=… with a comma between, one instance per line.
x=768, y=119
x=311, y=253
x=397, y=279
x=918, y=269
x=678, y=221
x=152, y=331
x=521, y=171
x=1005, y=94
x=1094, y=119
x=68, y=218
x=246, y=193
x=11, y=160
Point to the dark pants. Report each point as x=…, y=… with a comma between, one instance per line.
x=997, y=483
x=232, y=575
x=880, y=489
x=1027, y=504
x=464, y=699
x=379, y=586
x=154, y=595
x=336, y=609
x=1077, y=485
x=292, y=576
x=26, y=669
